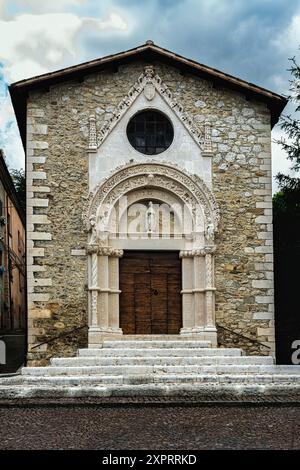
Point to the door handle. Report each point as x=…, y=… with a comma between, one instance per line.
x=154, y=292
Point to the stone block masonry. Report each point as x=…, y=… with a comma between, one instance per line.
x=57, y=190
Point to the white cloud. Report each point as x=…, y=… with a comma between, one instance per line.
x=287, y=42
x=280, y=163
x=29, y=39
x=34, y=44
x=13, y=150
x=9, y=135
x=114, y=21
x=42, y=6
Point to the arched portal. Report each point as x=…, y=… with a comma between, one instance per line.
x=151, y=206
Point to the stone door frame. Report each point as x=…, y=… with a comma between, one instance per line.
x=196, y=249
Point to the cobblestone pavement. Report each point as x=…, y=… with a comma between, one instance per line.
x=166, y=427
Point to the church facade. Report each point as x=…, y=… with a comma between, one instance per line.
x=149, y=204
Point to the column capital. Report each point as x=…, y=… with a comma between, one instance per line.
x=109, y=251
x=192, y=253
x=104, y=251
x=206, y=250
x=210, y=249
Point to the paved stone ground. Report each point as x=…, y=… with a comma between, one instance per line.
x=167, y=427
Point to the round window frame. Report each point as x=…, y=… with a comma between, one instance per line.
x=159, y=112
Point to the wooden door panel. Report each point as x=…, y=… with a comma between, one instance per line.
x=150, y=301
x=174, y=303
x=142, y=303
x=159, y=302
x=142, y=297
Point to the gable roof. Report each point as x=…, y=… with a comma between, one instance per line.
x=150, y=53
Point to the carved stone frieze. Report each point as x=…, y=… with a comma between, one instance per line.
x=104, y=251
x=192, y=253
x=92, y=134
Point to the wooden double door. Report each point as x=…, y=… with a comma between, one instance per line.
x=150, y=300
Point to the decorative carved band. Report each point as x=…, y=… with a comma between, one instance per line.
x=207, y=147
x=104, y=251
x=92, y=134
x=197, y=252
x=209, y=250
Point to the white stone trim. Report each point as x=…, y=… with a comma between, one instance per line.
x=39, y=236
x=33, y=187
x=78, y=252
x=264, y=286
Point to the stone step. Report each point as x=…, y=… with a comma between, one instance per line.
x=154, y=378
x=163, y=369
x=214, y=391
x=163, y=338
x=146, y=352
x=159, y=344
x=156, y=361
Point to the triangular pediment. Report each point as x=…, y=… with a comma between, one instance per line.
x=148, y=84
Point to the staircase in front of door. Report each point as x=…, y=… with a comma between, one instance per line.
x=153, y=368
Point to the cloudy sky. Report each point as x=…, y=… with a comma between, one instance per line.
x=251, y=39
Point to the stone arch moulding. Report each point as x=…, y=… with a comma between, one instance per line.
x=190, y=189
x=149, y=83
x=198, y=308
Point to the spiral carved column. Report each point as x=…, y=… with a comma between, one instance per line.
x=94, y=289
x=210, y=288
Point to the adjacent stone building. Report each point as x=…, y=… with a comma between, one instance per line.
x=12, y=255
x=12, y=273
x=149, y=204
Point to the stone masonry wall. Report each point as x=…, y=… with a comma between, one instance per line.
x=57, y=189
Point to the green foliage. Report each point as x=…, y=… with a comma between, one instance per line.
x=287, y=203
x=291, y=126
x=19, y=180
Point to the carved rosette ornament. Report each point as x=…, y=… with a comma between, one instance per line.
x=149, y=83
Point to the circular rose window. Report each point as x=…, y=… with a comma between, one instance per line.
x=150, y=132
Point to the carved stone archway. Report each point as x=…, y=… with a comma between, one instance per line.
x=168, y=184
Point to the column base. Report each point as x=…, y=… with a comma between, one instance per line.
x=202, y=333
x=97, y=335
